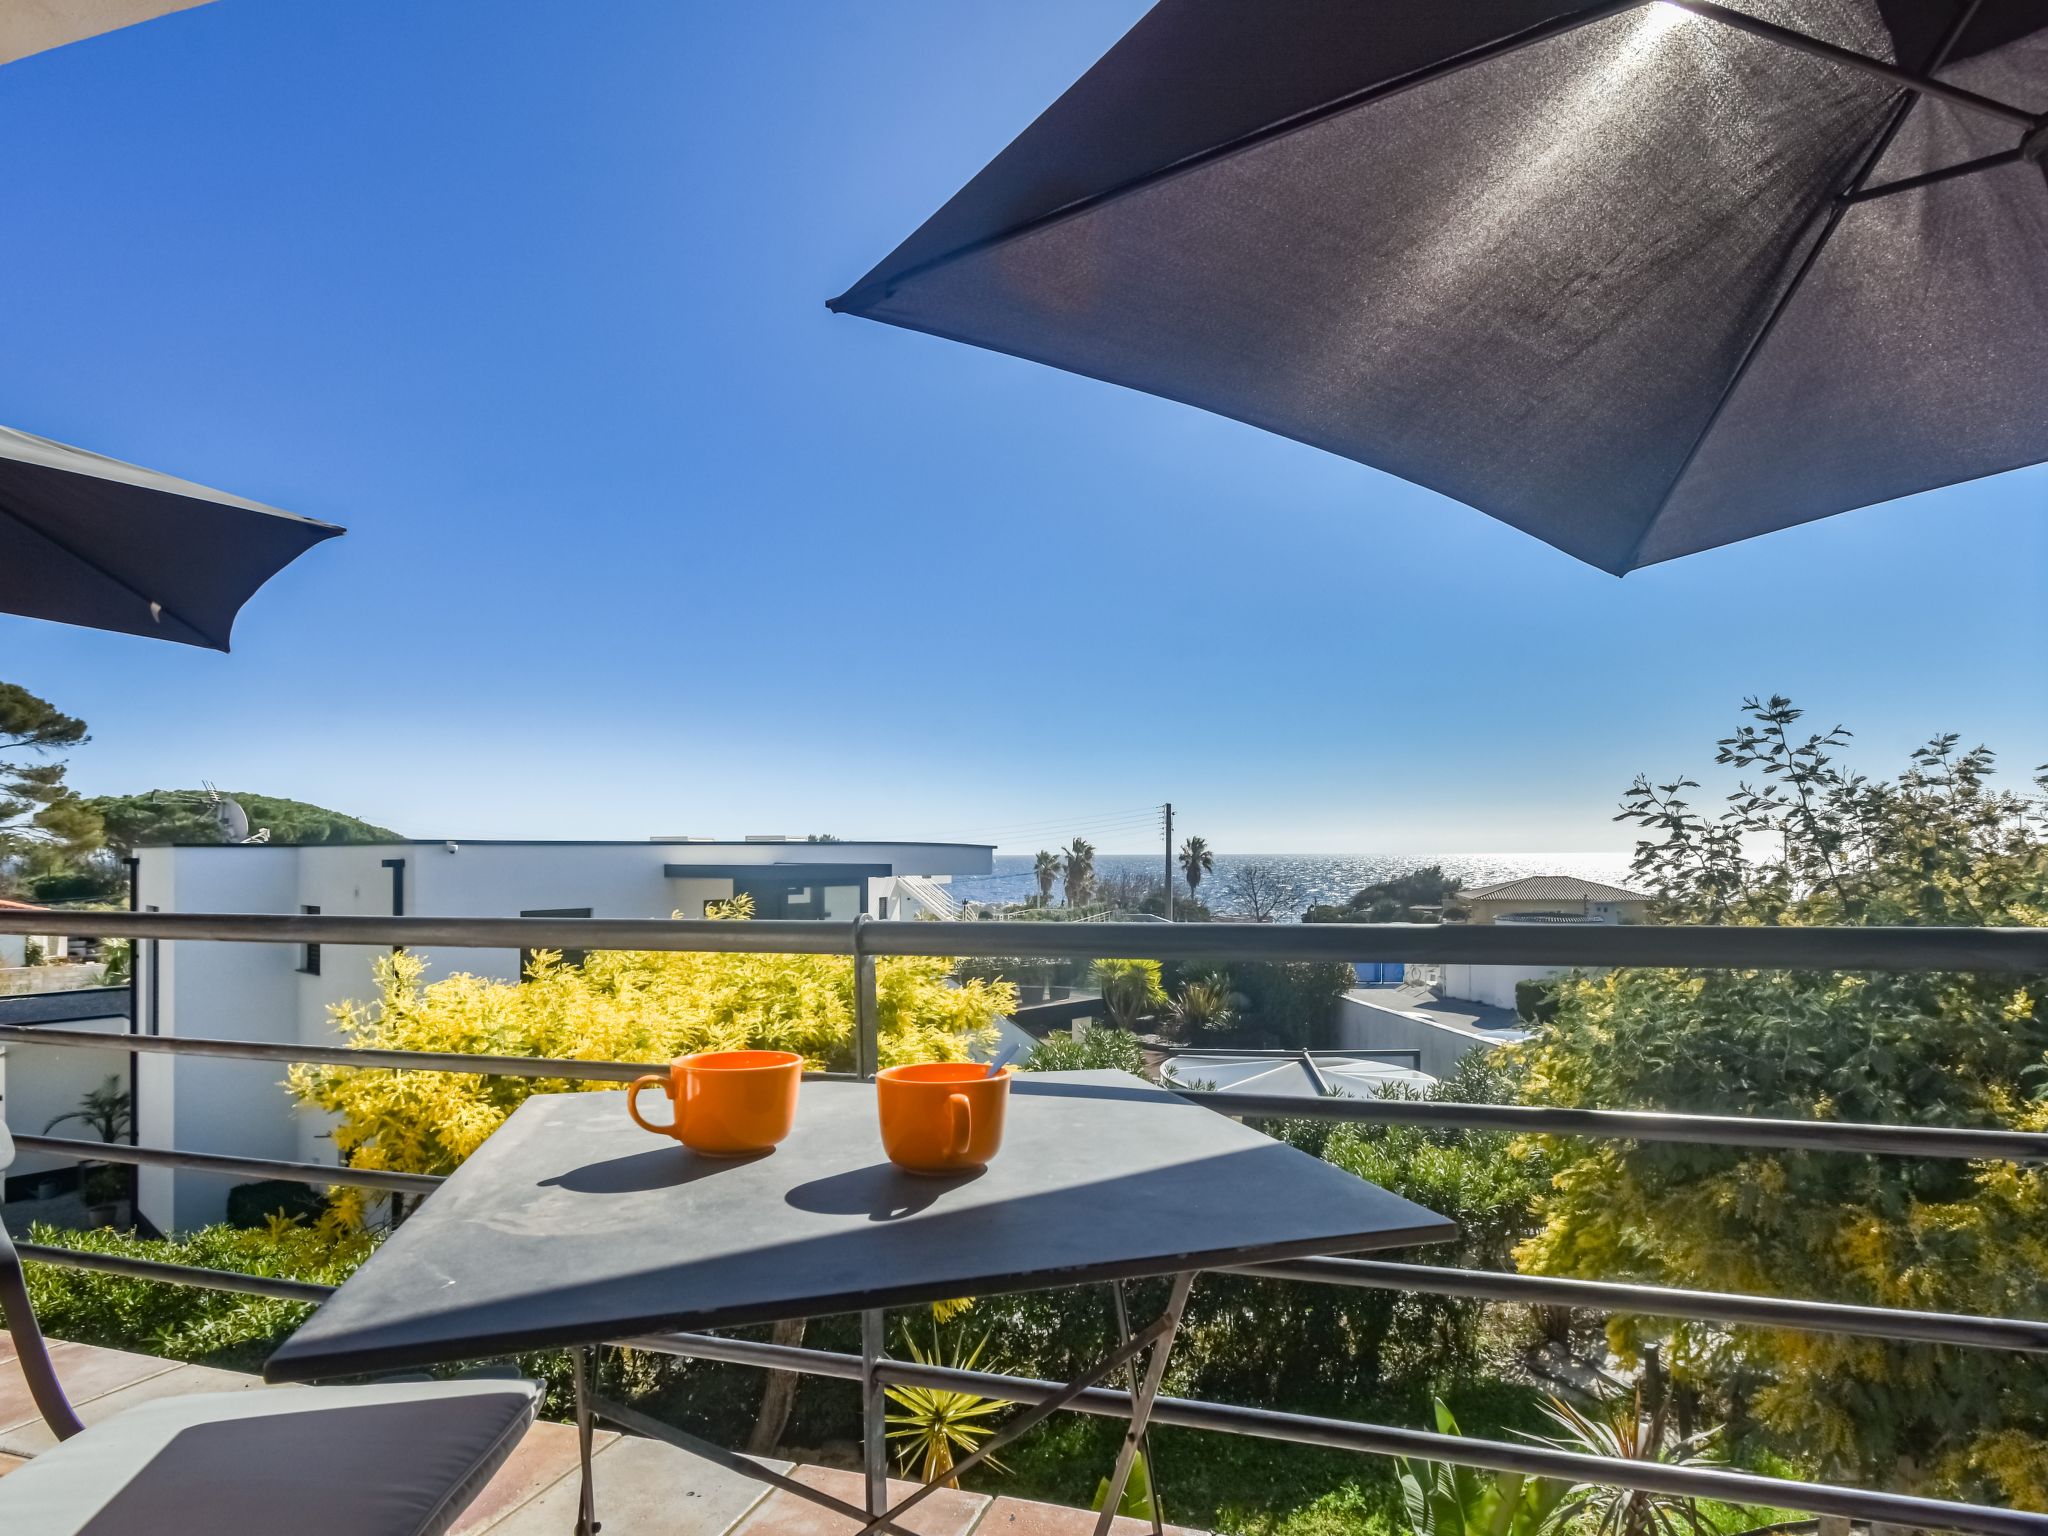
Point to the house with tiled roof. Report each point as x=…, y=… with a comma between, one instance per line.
x=1536, y=897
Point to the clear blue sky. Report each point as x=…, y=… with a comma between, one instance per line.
x=529, y=295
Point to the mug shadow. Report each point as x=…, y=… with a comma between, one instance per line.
x=880, y=1192
x=638, y=1172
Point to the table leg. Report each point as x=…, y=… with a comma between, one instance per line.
x=1141, y=1403
x=638, y=1423
x=1123, y=1333
x=874, y=1406
x=586, y=1504
x=1155, y=1332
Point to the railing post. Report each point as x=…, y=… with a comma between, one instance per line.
x=867, y=1048
x=867, y=1059
x=873, y=1409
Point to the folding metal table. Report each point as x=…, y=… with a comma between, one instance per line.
x=573, y=1227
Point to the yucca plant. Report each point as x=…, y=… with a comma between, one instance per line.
x=1626, y=1433
x=934, y=1424
x=1204, y=1005
x=1442, y=1499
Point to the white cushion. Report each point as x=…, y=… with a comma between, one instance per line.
x=398, y=1460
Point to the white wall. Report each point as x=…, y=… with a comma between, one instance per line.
x=39, y=1083
x=227, y=991
x=1364, y=1025
x=259, y=992
x=1492, y=984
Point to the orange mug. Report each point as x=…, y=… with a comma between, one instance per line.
x=727, y=1103
x=941, y=1116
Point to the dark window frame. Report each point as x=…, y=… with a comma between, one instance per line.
x=309, y=954
x=569, y=956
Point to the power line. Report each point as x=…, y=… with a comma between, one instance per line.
x=1148, y=816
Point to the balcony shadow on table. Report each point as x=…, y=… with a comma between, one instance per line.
x=880, y=1192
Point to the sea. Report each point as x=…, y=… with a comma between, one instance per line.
x=1307, y=877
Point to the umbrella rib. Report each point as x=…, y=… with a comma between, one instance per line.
x=158, y=610
x=1935, y=177
x=1837, y=206
x=1923, y=83
x=857, y=298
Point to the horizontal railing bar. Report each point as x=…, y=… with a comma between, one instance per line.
x=331, y=1055
x=1839, y=949
x=1962, y=1329
x=702, y=935
x=1263, y=1423
x=1376, y=1439
x=177, y=1274
x=349, y=1056
x=1644, y=1125
x=769, y=1357
x=1631, y=1125
x=216, y=1162
x=1747, y=948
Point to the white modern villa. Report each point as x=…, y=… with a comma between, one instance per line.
x=283, y=993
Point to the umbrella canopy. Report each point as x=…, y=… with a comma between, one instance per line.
x=33, y=26
x=90, y=540
x=1639, y=278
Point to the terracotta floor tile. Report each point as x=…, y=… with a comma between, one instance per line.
x=547, y=1454
x=85, y=1371
x=34, y=1437
x=645, y=1488
x=1029, y=1517
x=9, y=1463
x=949, y=1512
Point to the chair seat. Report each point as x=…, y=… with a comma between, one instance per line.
x=394, y=1460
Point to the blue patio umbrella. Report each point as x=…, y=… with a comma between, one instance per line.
x=92, y=541
x=1639, y=277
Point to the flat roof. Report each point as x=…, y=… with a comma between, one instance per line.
x=1416, y=1001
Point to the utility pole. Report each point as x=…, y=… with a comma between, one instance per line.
x=1169, y=861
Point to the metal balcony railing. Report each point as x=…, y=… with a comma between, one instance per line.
x=2003, y=950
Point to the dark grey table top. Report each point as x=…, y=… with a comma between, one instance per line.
x=571, y=1225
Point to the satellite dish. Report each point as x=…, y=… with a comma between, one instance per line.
x=232, y=820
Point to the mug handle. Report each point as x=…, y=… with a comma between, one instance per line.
x=668, y=1087
x=963, y=1122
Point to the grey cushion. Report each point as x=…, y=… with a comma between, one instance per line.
x=402, y=1460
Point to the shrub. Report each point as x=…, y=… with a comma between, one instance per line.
x=1092, y=1049
x=1809, y=843
x=1203, y=1007
x=1130, y=990
x=253, y=1205
x=184, y=1322
x=1534, y=1001
x=1290, y=1004
x=612, y=1007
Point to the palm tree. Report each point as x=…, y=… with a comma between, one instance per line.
x=1078, y=871
x=107, y=1109
x=1046, y=869
x=1196, y=861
